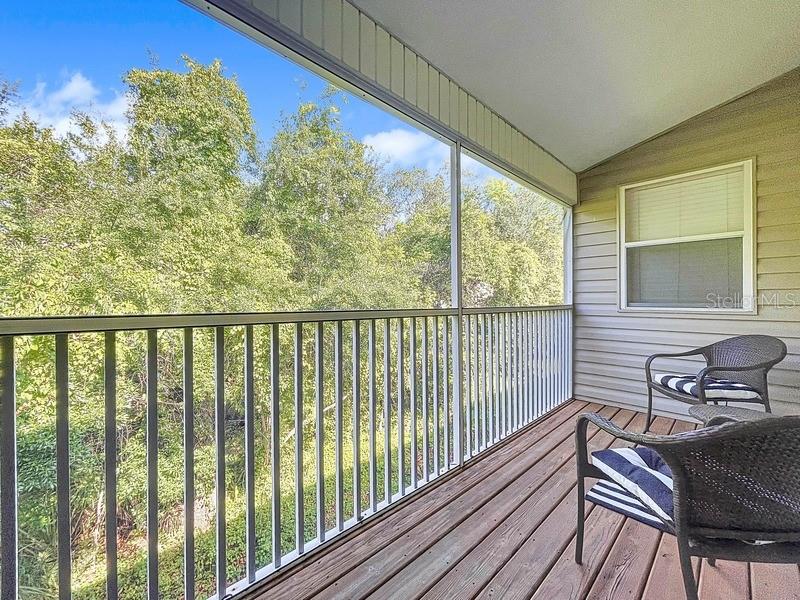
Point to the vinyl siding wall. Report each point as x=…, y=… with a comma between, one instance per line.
x=611, y=347
x=353, y=39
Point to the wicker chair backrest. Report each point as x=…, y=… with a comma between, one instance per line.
x=761, y=352
x=740, y=476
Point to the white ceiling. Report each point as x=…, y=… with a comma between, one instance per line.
x=589, y=78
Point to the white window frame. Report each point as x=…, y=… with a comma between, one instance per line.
x=749, y=299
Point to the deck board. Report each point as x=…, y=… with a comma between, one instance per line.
x=538, y=488
x=504, y=527
x=480, y=565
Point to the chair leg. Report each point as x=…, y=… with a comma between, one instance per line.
x=580, y=522
x=689, y=583
x=649, y=409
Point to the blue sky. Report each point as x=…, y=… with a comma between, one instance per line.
x=72, y=55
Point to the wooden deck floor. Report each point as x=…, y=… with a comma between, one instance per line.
x=504, y=527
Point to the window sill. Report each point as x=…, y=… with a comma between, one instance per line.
x=657, y=310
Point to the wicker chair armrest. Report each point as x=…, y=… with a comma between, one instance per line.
x=650, y=359
x=701, y=377
x=708, y=370
x=582, y=424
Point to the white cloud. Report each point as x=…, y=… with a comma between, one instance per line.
x=404, y=148
x=76, y=93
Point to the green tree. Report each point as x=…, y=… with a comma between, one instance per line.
x=324, y=191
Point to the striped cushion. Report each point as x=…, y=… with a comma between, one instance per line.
x=641, y=488
x=722, y=389
x=616, y=498
x=643, y=477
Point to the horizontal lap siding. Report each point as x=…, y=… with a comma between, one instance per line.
x=611, y=347
x=352, y=38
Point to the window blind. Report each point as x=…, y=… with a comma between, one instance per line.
x=699, y=205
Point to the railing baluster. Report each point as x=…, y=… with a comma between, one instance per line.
x=110, y=444
x=498, y=429
x=152, y=464
x=219, y=428
x=476, y=381
x=561, y=355
x=571, y=350
x=64, y=526
x=338, y=382
x=496, y=375
x=446, y=409
x=356, y=419
x=524, y=376
x=413, y=381
x=526, y=361
x=484, y=411
x=539, y=363
x=512, y=413
x=9, y=568
x=512, y=378
x=319, y=351
x=553, y=357
x=425, y=402
x=509, y=368
x=534, y=367
x=387, y=412
x=468, y=388
x=401, y=452
x=549, y=358
x=299, y=504
x=520, y=370
x=566, y=362
x=275, y=367
x=436, y=395
x=532, y=351
x=568, y=350
x=525, y=371
x=373, y=394
x=249, y=455
x=501, y=331
x=489, y=379
x=188, y=464
x=500, y=416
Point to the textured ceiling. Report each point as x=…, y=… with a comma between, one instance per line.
x=587, y=79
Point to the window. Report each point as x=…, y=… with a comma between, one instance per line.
x=686, y=242
x=513, y=240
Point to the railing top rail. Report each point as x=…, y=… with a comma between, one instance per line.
x=93, y=324
x=514, y=309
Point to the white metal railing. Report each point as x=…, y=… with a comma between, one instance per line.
x=386, y=380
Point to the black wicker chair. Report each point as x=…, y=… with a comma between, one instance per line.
x=745, y=359
x=733, y=484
